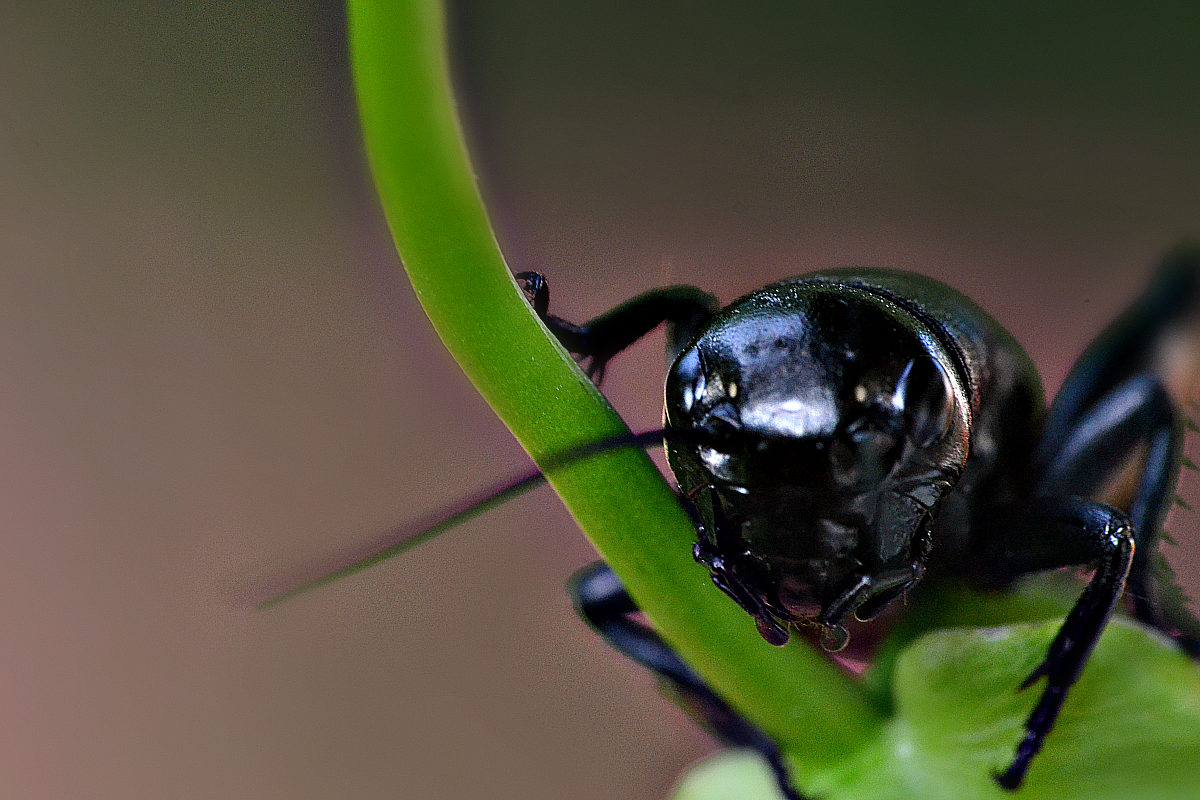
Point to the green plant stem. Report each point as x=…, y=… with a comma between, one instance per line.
x=441, y=231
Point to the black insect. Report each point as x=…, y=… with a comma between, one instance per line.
x=838, y=436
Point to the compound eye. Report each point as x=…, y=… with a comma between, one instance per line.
x=723, y=452
x=688, y=378
x=925, y=397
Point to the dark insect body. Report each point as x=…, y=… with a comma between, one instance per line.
x=841, y=434
x=838, y=436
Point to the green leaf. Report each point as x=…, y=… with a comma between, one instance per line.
x=1129, y=729
x=733, y=774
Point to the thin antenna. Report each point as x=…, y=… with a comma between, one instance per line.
x=399, y=540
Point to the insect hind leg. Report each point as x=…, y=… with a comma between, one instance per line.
x=1119, y=414
x=1137, y=416
x=605, y=605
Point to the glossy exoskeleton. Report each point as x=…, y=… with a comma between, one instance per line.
x=839, y=435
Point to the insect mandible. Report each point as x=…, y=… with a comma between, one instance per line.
x=839, y=435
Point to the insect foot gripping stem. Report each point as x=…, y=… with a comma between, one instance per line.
x=605, y=605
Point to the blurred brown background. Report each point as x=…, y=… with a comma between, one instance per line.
x=213, y=368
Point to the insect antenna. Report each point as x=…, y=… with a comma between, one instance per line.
x=398, y=540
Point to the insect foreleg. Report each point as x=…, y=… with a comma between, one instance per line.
x=1052, y=533
x=603, y=602
x=685, y=309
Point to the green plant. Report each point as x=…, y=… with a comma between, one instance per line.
x=938, y=711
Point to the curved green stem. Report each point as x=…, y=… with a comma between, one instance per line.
x=619, y=499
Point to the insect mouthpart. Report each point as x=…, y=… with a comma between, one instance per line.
x=780, y=597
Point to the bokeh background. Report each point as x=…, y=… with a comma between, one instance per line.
x=213, y=367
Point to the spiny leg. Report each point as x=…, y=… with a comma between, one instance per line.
x=1047, y=534
x=1120, y=407
x=685, y=309
x=1135, y=417
x=603, y=602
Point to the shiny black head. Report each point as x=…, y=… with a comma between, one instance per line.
x=832, y=423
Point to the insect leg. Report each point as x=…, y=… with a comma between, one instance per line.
x=685, y=309
x=1144, y=339
x=1135, y=417
x=1122, y=401
x=603, y=602
x=1052, y=533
